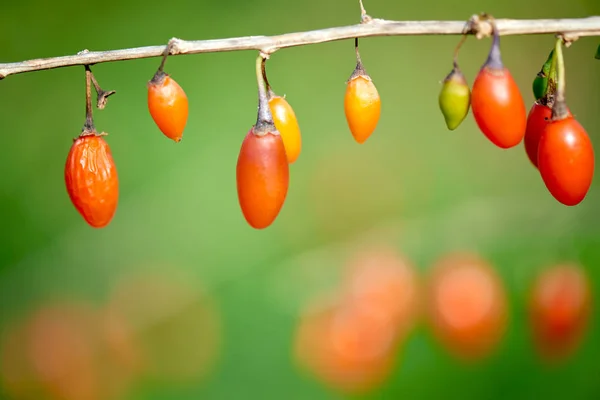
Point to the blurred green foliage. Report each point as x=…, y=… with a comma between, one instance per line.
x=431, y=190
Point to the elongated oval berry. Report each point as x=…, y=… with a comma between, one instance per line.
x=287, y=125
x=497, y=104
x=168, y=105
x=362, y=106
x=262, y=178
x=539, y=116
x=92, y=181
x=455, y=99
x=566, y=160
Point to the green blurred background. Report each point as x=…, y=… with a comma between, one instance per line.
x=414, y=184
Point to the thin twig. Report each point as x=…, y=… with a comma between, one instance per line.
x=102, y=95
x=573, y=28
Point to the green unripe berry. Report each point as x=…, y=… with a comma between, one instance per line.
x=455, y=99
x=540, y=83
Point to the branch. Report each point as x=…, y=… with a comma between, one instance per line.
x=571, y=29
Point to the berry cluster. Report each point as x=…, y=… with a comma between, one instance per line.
x=554, y=141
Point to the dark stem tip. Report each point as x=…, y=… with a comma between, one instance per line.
x=559, y=110
x=494, y=60
x=359, y=70
x=158, y=77
x=455, y=75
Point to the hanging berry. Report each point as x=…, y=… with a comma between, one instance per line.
x=362, y=104
x=285, y=121
x=90, y=172
x=167, y=102
x=541, y=112
x=455, y=96
x=496, y=101
x=262, y=169
x=565, y=152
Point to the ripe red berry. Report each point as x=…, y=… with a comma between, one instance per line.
x=91, y=178
x=262, y=177
x=539, y=116
x=537, y=119
x=497, y=103
x=566, y=160
x=559, y=306
x=168, y=105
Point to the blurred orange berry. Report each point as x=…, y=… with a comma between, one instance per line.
x=466, y=305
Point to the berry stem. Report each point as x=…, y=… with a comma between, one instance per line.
x=494, y=60
x=166, y=53
x=360, y=69
x=456, y=50
x=358, y=60
x=88, y=127
x=264, y=119
x=160, y=75
x=559, y=110
x=263, y=67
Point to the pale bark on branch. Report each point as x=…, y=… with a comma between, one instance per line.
x=570, y=29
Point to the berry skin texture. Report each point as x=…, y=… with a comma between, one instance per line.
x=287, y=125
x=498, y=107
x=92, y=181
x=168, y=105
x=262, y=178
x=559, y=310
x=566, y=160
x=362, y=106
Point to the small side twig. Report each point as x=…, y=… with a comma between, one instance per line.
x=102, y=95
